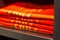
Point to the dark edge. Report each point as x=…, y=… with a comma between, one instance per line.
x=57, y=20
x=1, y=3
x=20, y=35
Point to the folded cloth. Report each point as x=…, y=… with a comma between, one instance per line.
x=23, y=27
x=38, y=21
x=27, y=12
x=40, y=26
x=27, y=16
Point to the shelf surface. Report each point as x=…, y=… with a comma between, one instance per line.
x=21, y=35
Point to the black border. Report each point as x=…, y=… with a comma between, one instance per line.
x=57, y=20
x=6, y=38
x=31, y=1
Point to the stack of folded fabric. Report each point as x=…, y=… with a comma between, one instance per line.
x=28, y=17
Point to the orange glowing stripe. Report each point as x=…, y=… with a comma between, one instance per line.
x=27, y=15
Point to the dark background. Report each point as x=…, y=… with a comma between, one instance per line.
x=33, y=1
x=6, y=38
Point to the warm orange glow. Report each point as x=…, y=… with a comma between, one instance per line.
x=32, y=17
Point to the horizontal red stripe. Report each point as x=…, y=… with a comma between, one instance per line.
x=18, y=25
x=27, y=23
x=46, y=22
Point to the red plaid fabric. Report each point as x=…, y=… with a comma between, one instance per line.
x=28, y=16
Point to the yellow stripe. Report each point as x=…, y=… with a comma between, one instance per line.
x=17, y=21
x=23, y=22
x=15, y=25
x=23, y=27
x=16, y=13
x=20, y=14
x=23, y=14
x=31, y=24
x=11, y=20
x=39, y=10
x=29, y=15
x=26, y=23
x=9, y=12
x=27, y=28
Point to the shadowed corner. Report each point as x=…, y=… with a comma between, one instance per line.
x=6, y=38
x=1, y=3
